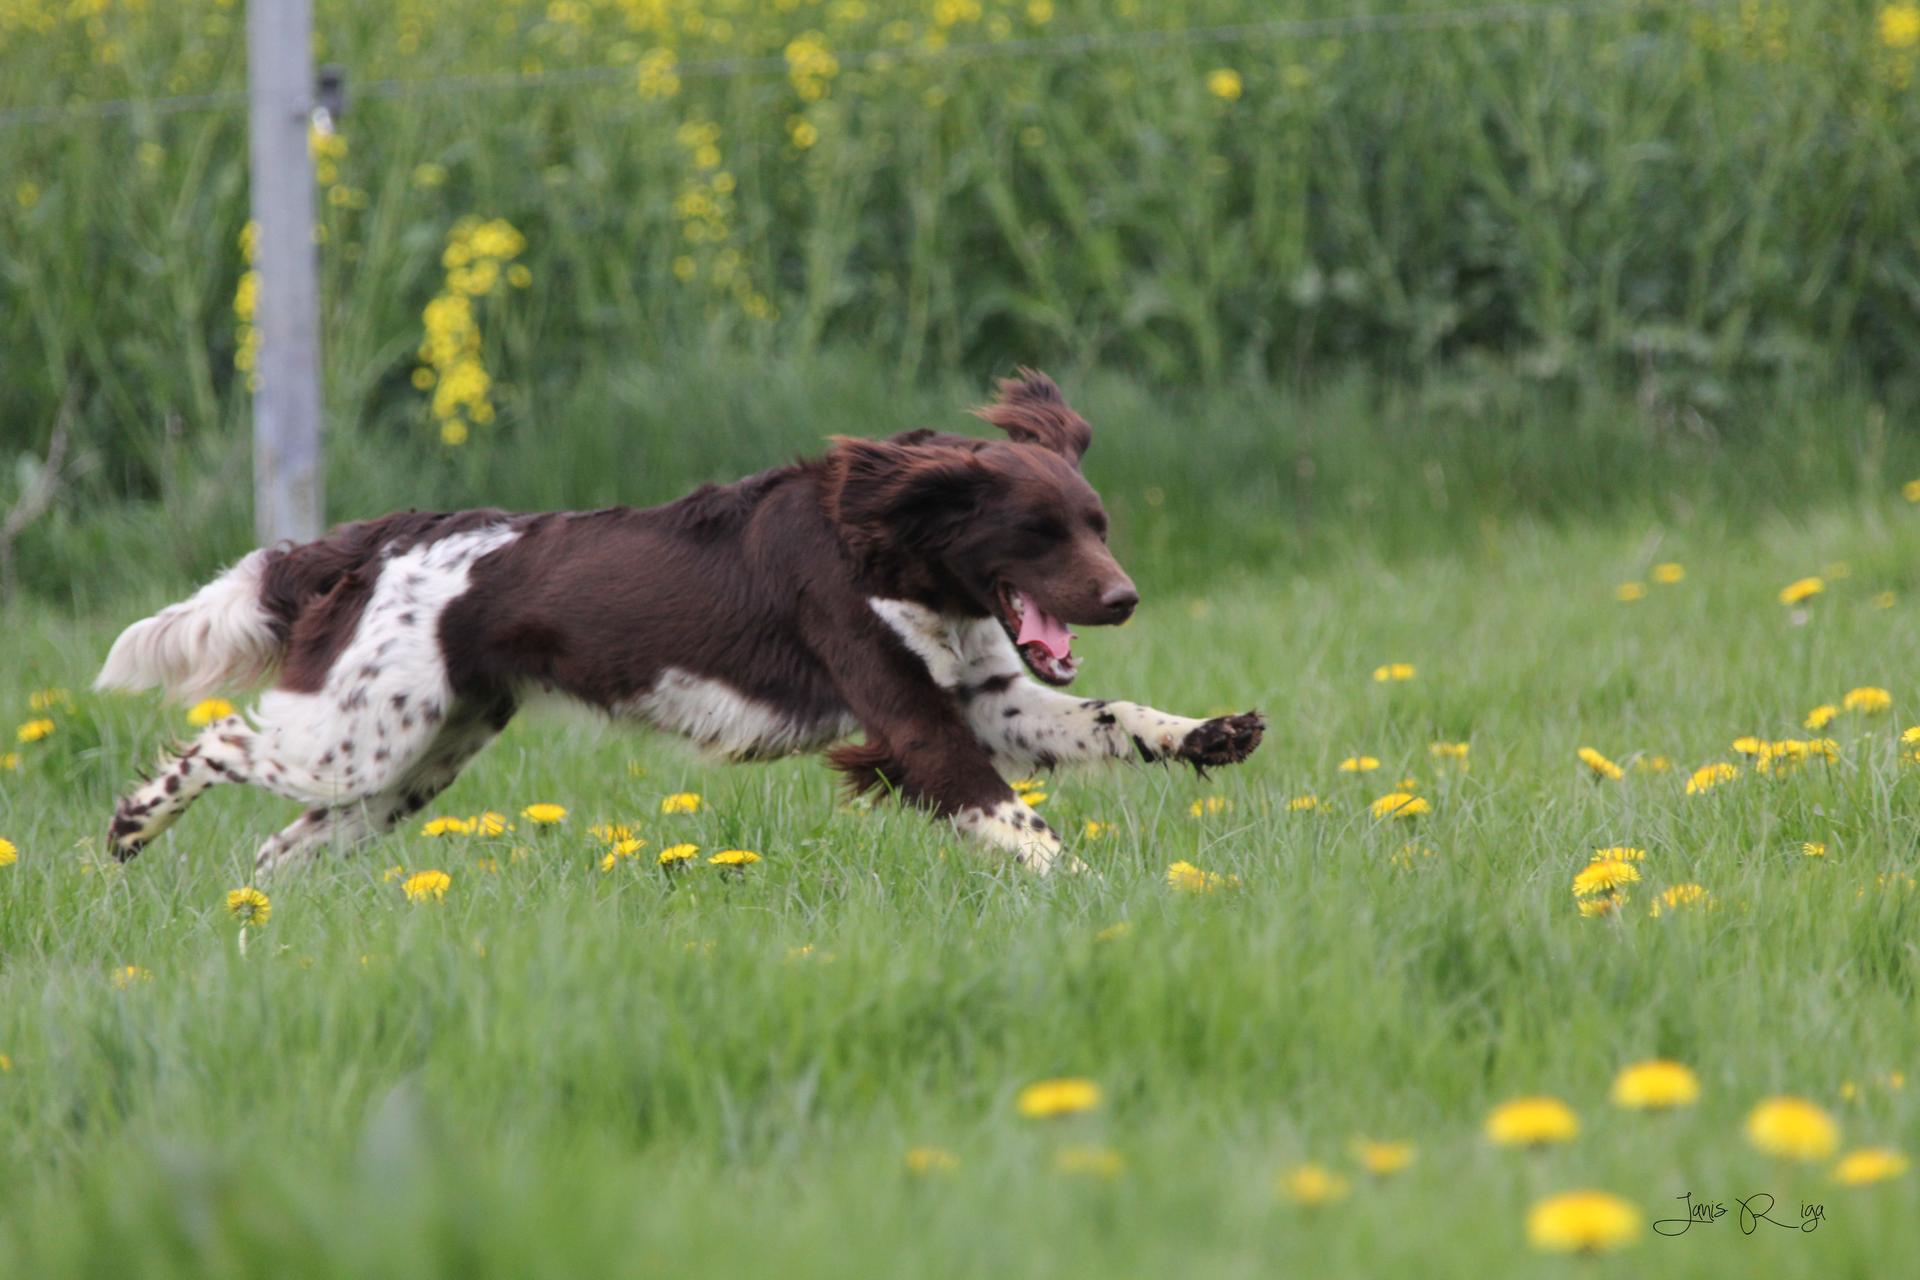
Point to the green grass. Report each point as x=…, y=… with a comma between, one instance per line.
x=557, y=1071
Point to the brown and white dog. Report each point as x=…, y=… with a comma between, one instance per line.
x=892, y=586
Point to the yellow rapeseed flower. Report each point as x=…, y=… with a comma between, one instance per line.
x=1224, y=83
x=249, y=906
x=733, y=858
x=1607, y=876
x=544, y=814
x=1801, y=590
x=1532, y=1122
x=1869, y=1164
x=1668, y=574
x=206, y=712
x=1582, y=1222
x=1655, y=1085
x=1399, y=804
x=681, y=802
x=1821, y=716
x=1391, y=671
x=1383, y=1158
x=1089, y=1161
x=1792, y=1127
x=9, y=854
x=422, y=885
x=1709, y=776
x=1600, y=765
x=1628, y=592
x=1188, y=878
x=677, y=855
x=34, y=730
x=1311, y=1185
x=1868, y=699
x=930, y=1160
x=1049, y=1099
x=1359, y=764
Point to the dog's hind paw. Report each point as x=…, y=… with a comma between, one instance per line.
x=1223, y=740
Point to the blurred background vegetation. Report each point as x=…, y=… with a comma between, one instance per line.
x=1385, y=279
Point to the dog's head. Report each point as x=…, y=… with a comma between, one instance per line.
x=1004, y=529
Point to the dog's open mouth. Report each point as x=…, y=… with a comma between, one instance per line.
x=1045, y=644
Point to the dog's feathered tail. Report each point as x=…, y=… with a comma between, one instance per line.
x=221, y=637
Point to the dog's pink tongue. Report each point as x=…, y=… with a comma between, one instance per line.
x=1037, y=626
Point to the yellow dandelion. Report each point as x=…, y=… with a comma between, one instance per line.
x=681, y=802
x=1628, y=592
x=1869, y=1164
x=733, y=858
x=1311, y=1185
x=1582, y=1222
x=1088, y=1161
x=1399, y=804
x=544, y=815
x=9, y=854
x=1710, y=776
x=1867, y=699
x=1024, y=785
x=677, y=855
x=1655, y=1085
x=1359, y=764
x=1303, y=804
x=1608, y=875
x=1603, y=905
x=1681, y=895
x=1096, y=830
x=35, y=730
x=1801, y=590
x=391, y=874
x=1652, y=764
x=1792, y=1127
x=1210, y=805
x=1814, y=849
x=1450, y=750
x=1600, y=765
x=1532, y=1122
x=447, y=826
x=1668, y=574
x=1620, y=853
x=131, y=975
x=490, y=824
x=205, y=712
x=1224, y=83
x=9, y=762
x=249, y=906
x=422, y=885
x=1821, y=716
x=930, y=1160
x=1883, y=600
x=1382, y=1159
x=1188, y=878
x=1049, y=1099
x=1899, y=26
x=1391, y=671
x=1408, y=854
x=611, y=832
x=1033, y=799
x=1748, y=745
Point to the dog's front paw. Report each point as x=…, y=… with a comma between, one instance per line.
x=1223, y=740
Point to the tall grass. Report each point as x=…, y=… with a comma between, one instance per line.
x=1689, y=194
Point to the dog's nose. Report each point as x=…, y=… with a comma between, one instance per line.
x=1119, y=600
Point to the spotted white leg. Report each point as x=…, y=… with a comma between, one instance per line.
x=1014, y=828
x=1026, y=725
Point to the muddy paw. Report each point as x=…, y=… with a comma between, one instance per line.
x=1223, y=740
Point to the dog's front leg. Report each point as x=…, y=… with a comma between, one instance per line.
x=1029, y=725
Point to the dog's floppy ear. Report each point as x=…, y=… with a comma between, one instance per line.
x=1031, y=410
x=889, y=493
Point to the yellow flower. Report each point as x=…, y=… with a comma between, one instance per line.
x=391, y=874
x=1033, y=798
x=1668, y=574
x=611, y=832
x=1090, y=1162
x=10, y=762
x=445, y=826
x=249, y=906
x=206, y=712
x=422, y=885
x=1607, y=876
x=1359, y=764
x=1582, y=1222
x=621, y=849
x=1601, y=766
x=1749, y=745
x=1628, y=592
x=130, y=976
x=1814, y=849
x=1532, y=1122
x=34, y=730
x=1303, y=804
x=1450, y=750
x=733, y=858
x=1821, y=716
x=1383, y=1158
x=929, y=1160
x=1113, y=932
x=1399, y=804
x=677, y=855
x=1883, y=600
x=1224, y=83
x=1792, y=1127
x=1188, y=878
x=1212, y=804
x=1655, y=1085
x=1024, y=785
x=1604, y=905
x=1868, y=699
x=1802, y=590
x=490, y=824
x=1393, y=671
x=9, y=854
x=1405, y=857
x=1095, y=830
x=681, y=802
x=6, y=1064
x=1652, y=764
x=1311, y=1185
x=1900, y=29
x=1869, y=1164
x=1047, y=1099
x=1620, y=853
x=1709, y=776
x=1682, y=895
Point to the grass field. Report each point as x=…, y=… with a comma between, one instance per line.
x=560, y=1070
